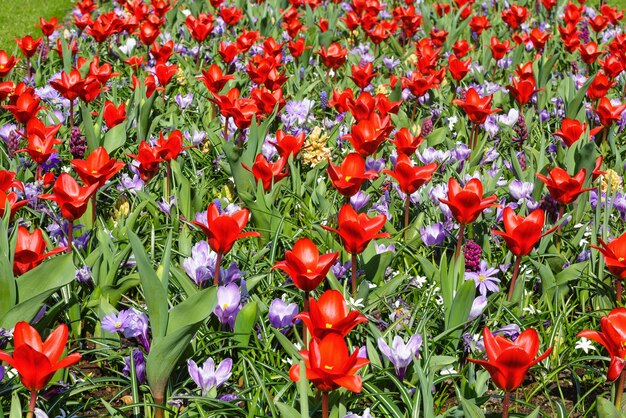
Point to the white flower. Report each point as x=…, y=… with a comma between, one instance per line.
x=420, y=281
x=356, y=303
x=531, y=310
x=448, y=371
x=452, y=120
x=585, y=345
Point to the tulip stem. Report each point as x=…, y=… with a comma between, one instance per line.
x=354, y=276
x=620, y=390
x=505, y=404
x=618, y=290
x=70, y=236
x=407, y=206
x=518, y=261
x=158, y=411
x=216, y=275
x=226, y=129
x=71, y=115
x=31, y=404
x=324, y=404
x=168, y=186
x=459, y=242
x=305, y=309
x=93, y=210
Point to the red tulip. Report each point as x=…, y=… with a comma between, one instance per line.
x=164, y=73
x=37, y=361
x=608, y=113
x=614, y=255
x=461, y=48
x=367, y=135
x=356, y=230
x=478, y=24
x=148, y=33
x=101, y=73
x=169, y=149
x=418, y=84
x=228, y=52
x=48, y=27
x=11, y=199
x=113, y=115
x=509, y=361
x=222, y=230
x=25, y=107
x=298, y=47
x=266, y=172
x=330, y=315
x=515, y=16
x=363, y=75
x=405, y=142
x=97, y=168
x=6, y=63
x=409, y=177
x=522, y=233
x=41, y=141
x=458, y=69
x=571, y=131
x=30, y=250
x=330, y=366
x=613, y=338
x=69, y=86
x=214, y=79
x=467, y=203
x=589, y=52
x=539, y=38
x=600, y=86
x=7, y=181
x=201, y=27
x=477, y=108
x=304, y=264
x=523, y=90
x=350, y=175
x=499, y=49
x=333, y=57
x=28, y=45
x=71, y=198
x=149, y=160
x=562, y=187
x=162, y=53
x=231, y=15
x=287, y=145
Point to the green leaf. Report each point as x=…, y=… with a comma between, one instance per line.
x=165, y=353
x=154, y=292
x=7, y=281
x=115, y=138
x=196, y=308
x=244, y=324
x=36, y=286
x=88, y=128
x=287, y=411
x=16, y=406
x=606, y=409
x=461, y=306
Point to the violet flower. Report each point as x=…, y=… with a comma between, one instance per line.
x=359, y=200
x=228, y=304
x=140, y=366
x=281, y=314
x=401, y=354
x=208, y=377
x=484, y=279
x=433, y=234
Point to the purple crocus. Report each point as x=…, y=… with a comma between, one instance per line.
x=400, y=354
x=201, y=265
x=433, y=234
x=140, y=366
x=208, y=377
x=478, y=306
x=281, y=314
x=183, y=101
x=484, y=279
x=116, y=323
x=228, y=300
x=359, y=200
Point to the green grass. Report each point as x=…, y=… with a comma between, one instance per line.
x=18, y=17
x=620, y=3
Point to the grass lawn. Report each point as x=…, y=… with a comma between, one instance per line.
x=18, y=17
x=620, y=3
